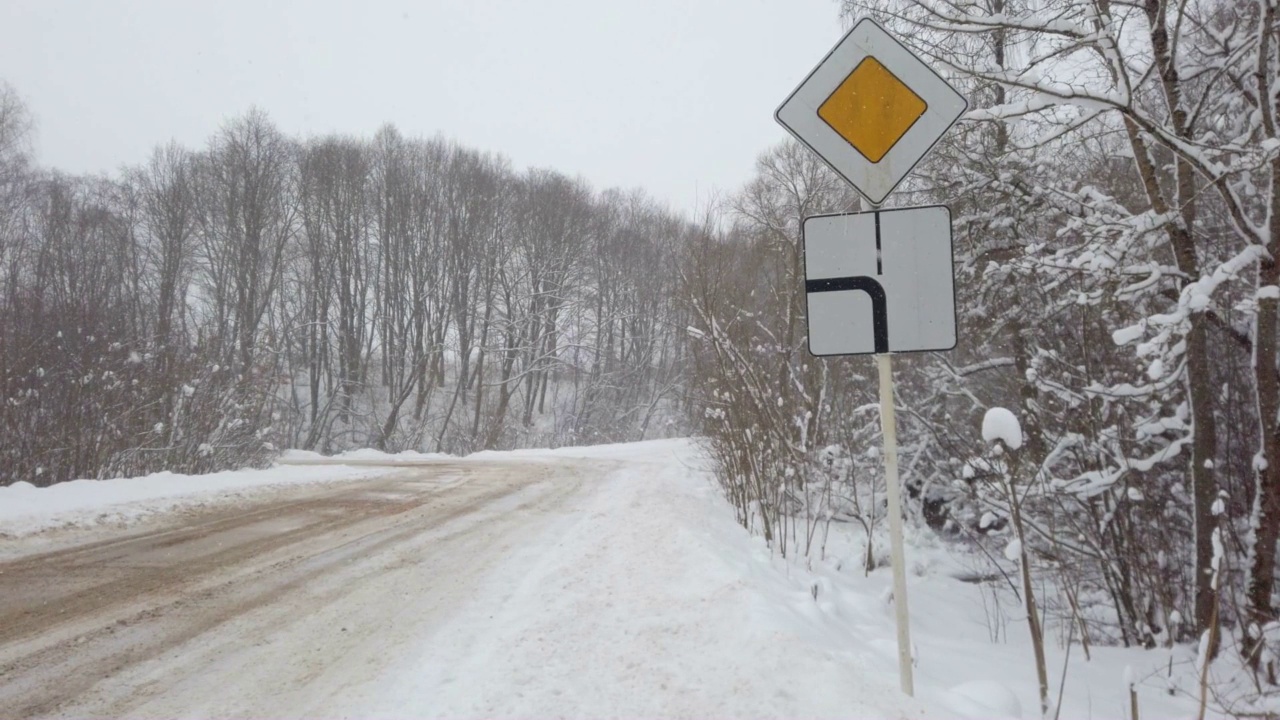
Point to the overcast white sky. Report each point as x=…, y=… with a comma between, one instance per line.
x=675, y=96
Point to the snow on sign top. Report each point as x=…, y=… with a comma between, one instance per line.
x=871, y=109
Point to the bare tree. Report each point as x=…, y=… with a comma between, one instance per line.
x=248, y=219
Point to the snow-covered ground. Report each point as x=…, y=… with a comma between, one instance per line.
x=638, y=595
x=26, y=509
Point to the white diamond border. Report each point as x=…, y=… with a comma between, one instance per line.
x=799, y=112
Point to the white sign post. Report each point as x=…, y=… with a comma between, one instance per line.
x=881, y=282
x=878, y=282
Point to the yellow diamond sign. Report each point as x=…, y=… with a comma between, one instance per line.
x=872, y=109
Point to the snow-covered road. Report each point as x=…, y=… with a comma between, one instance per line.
x=300, y=605
x=543, y=584
x=584, y=582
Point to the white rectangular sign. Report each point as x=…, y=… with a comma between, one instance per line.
x=880, y=281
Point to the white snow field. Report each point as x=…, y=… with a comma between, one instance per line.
x=584, y=582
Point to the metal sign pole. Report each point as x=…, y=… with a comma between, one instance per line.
x=872, y=110
x=890, y=426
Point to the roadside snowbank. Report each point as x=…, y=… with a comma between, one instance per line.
x=26, y=509
x=367, y=455
x=649, y=600
x=119, y=502
x=643, y=599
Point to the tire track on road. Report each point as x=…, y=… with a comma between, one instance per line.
x=141, y=610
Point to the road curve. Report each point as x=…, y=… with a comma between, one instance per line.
x=292, y=606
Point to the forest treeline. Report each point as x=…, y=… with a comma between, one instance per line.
x=213, y=305
x=1115, y=195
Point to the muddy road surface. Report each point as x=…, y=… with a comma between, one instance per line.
x=294, y=605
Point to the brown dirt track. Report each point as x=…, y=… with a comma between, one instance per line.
x=122, y=623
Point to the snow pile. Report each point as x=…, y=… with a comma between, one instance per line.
x=26, y=509
x=1000, y=424
x=983, y=699
x=1013, y=551
x=804, y=638
x=365, y=456
x=645, y=599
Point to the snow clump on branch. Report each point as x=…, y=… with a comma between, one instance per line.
x=1000, y=424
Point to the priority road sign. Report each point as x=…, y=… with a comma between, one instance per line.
x=871, y=109
x=879, y=282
